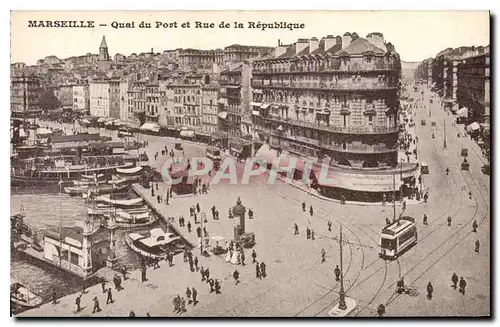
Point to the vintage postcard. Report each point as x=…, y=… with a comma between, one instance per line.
x=250, y=164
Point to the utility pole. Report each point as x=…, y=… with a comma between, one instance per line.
x=342, y=304
x=394, y=197
x=444, y=132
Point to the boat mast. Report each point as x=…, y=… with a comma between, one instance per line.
x=60, y=221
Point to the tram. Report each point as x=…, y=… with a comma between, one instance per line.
x=213, y=154
x=397, y=238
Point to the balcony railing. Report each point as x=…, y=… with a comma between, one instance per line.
x=333, y=69
x=353, y=148
x=320, y=125
x=325, y=85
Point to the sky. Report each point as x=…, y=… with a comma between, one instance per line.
x=417, y=35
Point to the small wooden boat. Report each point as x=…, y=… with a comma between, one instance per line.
x=155, y=244
x=22, y=296
x=121, y=203
x=101, y=189
x=103, y=210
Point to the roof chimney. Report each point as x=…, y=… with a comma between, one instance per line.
x=346, y=40
x=280, y=49
x=330, y=41
x=377, y=40
x=313, y=44
x=301, y=45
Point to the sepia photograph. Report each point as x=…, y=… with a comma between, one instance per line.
x=242, y=164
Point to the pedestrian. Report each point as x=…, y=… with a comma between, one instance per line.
x=312, y=235
x=185, y=255
x=336, y=271
x=103, y=285
x=191, y=264
x=143, y=275
x=454, y=280
x=189, y=227
x=381, y=310
x=425, y=220
x=77, y=302
x=449, y=220
x=183, y=305
x=195, y=295
x=470, y=195
x=308, y=233
x=124, y=272
x=198, y=231
x=109, y=298
x=477, y=247
x=257, y=271
x=158, y=198
x=462, y=285
x=295, y=229
x=54, y=296
x=303, y=206
x=323, y=255
x=254, y=256
x=188, y=294
x=180, y=221
x=96, y=305
x=196, y=263
x=176, y=302
x=207, y=274
x=198, y=207
x=430, y=289
x=329, y=226
x=205, y=233
x=217, y=286
x=474, y=226
x=211, y=283
x=387, y=221
x=311, y=211
x=263, y=270
x=242, y=258
x=236, y=276
x=202, y=273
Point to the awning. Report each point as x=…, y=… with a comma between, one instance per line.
x=221, y=101
x=256, y=104
x=43, y=131
x=233, y=86
x=22, y=133
x=133, y=170
x=255, y=112
x=257, y=91
x=101, y=119
x=151, y=127
x=85, y=121
x=265, y=105
x=473, y=127
x=223, y=115
x=187, y=133
x=464, y=112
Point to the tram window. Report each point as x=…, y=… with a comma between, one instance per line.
x=406, y=236
x=388, y=244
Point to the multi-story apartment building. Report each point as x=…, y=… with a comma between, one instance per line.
x=137, y=101
x=105, y=98
x=473, y=90
x=209, y=110
x=196, y=57
x=99, y=91
x=153, y=107
x=239, y=53
x=81, y=100
x=333, y=99
x=25, y=92
x=234, y=105
x=126, y=112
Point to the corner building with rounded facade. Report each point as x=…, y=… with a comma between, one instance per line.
x=333, y=100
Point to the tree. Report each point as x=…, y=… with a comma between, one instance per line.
x=48, y=101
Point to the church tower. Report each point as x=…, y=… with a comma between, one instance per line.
x=103, y=50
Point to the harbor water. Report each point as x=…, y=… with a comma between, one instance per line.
x=50, y=209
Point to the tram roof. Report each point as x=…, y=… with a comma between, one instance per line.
x=398, y=226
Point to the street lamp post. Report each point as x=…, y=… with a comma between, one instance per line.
x=342, y=304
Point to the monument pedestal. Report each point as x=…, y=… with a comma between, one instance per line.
x=111, y=263
x=337, y=312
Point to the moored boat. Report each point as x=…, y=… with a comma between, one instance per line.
x=20, y=295
x=155, y=244
x=100, y=189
